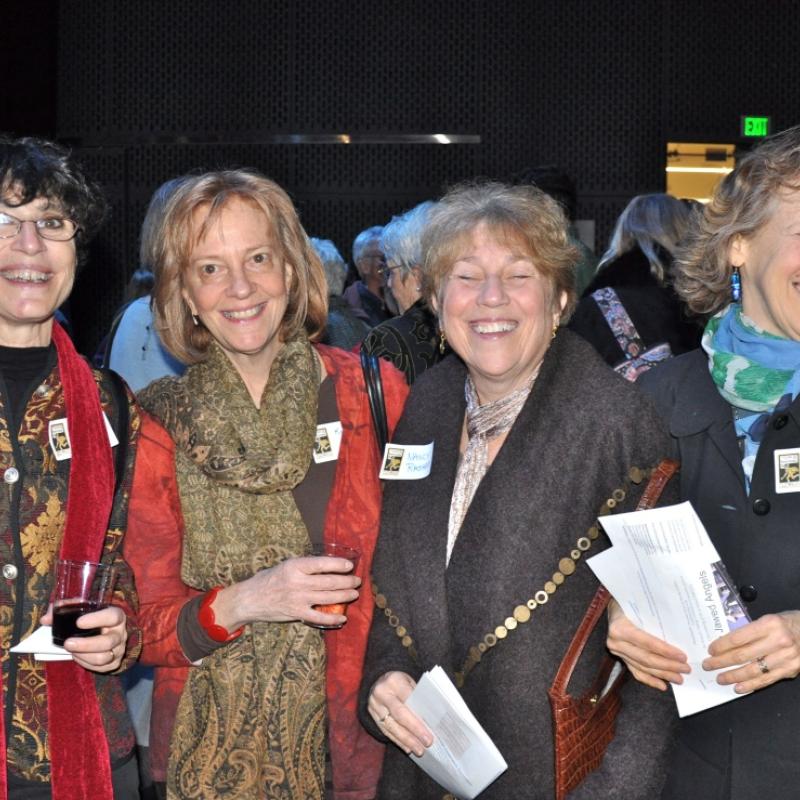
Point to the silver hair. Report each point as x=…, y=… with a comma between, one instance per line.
x=332, y=263
x=401, y=240
x=364, y=238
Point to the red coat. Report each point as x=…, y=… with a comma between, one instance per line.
x=153, y=549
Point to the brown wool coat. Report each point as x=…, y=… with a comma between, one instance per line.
x=577, y=436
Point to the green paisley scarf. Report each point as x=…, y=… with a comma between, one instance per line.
x=251, y=720
x=242, y=452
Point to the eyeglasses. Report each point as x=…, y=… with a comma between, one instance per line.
x=57, y=229
x=386, y=269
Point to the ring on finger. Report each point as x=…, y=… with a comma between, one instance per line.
x=385, y=717
x=762, y=665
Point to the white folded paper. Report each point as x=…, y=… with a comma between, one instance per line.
x=40, y=643
x=668, y=577
x=462, y=759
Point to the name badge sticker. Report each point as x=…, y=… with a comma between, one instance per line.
x=787, y=470
x=406, y=462
x=58, y=434
x=327, y=442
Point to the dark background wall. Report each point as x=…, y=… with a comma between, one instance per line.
x=148, y=90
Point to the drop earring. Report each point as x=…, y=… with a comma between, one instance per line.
x=736, y=285
x=195, y=319
x=442, y=342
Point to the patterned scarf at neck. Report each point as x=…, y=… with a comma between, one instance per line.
x=754, y=371
x=241, y=452
x=251, y=719
x=483, y=423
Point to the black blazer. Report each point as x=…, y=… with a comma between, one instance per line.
x=749, y=747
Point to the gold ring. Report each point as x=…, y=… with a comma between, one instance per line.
x=762, y=665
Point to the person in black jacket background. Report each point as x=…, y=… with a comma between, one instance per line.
x=411, y=341
x=637, y=266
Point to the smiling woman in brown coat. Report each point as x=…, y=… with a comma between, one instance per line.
x=480, y=565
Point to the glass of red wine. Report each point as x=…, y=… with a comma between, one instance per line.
x=80, y=588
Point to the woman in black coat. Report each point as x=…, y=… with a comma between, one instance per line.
x=480, y=566
x=733, y=412
x=634, y=278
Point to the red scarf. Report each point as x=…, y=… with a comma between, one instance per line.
x=79, y=758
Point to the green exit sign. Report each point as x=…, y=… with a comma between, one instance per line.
x=753, y=127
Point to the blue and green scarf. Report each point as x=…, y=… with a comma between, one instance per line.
x=754, y=371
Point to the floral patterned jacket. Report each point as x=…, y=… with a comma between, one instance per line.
x=32, y=511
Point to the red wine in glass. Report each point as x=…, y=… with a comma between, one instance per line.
x=65, y=620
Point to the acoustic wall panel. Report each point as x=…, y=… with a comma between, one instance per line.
x=155, y=88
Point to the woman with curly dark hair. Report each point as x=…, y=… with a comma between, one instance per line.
x=66, y=726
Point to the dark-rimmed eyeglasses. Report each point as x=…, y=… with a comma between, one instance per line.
x=386, y=269
x=57, y=229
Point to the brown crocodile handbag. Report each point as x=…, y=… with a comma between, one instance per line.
x=583, y=727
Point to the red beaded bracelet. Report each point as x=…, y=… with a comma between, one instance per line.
x=209, y=622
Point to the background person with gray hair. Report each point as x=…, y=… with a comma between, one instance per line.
x=343, y=328
x=410, y=341
x=365, y=296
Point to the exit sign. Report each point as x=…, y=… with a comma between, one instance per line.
x=755, y=127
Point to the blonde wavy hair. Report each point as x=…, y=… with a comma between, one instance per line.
x=741, y=204
x=522, y=214
x=179, y=233
x=650, y=222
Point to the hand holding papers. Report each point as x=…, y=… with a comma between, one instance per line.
x=462, y=758
x=667, y=576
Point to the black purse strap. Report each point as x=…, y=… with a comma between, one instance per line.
x=372, y=380
x=120, y=396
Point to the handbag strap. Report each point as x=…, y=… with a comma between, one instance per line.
x=619, y=321
x=123, y=423
x=370, y=366
x=659, y=478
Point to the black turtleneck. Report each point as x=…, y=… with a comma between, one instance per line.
x=20, y=368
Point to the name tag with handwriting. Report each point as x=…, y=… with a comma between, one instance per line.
x=406, y=462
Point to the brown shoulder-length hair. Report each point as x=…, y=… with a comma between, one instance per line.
x=181, y=230
x=740, y=205
x=523, y=214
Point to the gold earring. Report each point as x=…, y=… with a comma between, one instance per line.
x=555, y=331
x=442, y=342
